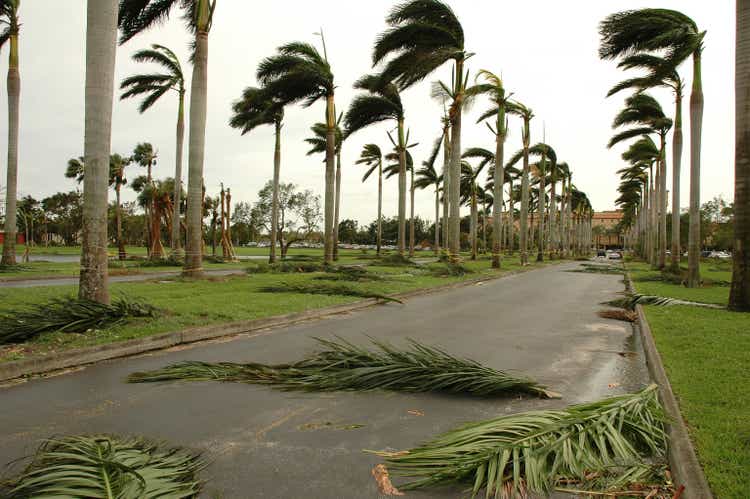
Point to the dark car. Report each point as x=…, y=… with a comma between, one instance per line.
x=601, y=253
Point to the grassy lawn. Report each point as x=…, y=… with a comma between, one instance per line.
x=216, y=300
x=706, y=353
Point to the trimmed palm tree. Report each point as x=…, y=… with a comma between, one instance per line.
x=255, y=108
x=526, y=114
x=645, y=116
x=494, y=88
x=471, y=194
x=372, y=157
x=101, y=45
x=9, y=34
x=427, y=176
x=299, y=73
x=739, y=296
x=650, y=30
x=136, y=16
x=661, y=74
x=380, y=102
x=152, y=87
x=423, y=36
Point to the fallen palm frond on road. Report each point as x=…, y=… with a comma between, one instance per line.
x=69, y=315
x=602, y=446
x=589, y=268
x=319, y=288
x=629, y=302
x=109, y=467
x=618, y=314
x=345, y=366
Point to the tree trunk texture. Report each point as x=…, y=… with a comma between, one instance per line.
x=330, y=178
x=380, y=206
x=446, y=185
x=275, y=194
x=401, y=189
x=676, y=165
x=696, y=125
x=180, y=138
x=411, y=214
x=11, y=194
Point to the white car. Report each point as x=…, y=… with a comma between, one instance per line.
x=614, y=255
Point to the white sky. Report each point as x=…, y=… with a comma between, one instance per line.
x=546, y=51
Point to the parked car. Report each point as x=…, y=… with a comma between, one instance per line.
x=601, y=253
x=719, y=254
x=615, y=255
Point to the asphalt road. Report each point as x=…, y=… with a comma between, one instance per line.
x=263, y=443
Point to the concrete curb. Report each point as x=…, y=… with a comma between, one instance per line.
x=683, y=461
x=89, y=355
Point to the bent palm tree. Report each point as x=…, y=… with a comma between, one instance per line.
x=372, y=157
x=153, y=86
x=382, y=102
x=739, y=297
x=101, y=45
x=653, y=30
x=9, y=17
x=428, y=176
x=662, y=74
x=424, y=35
x=257, y=108
x=297, y=73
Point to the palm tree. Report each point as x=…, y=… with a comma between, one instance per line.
x=645, y=113
x=662, y=74
x=650, y=30
x=372, y=157
x=470, y=194
x=428, y=176
x=253, y=109
x=101, y=45
x=380, y=102
x=145, y=155
x=494, y=88
x=299, y=73
x=153, y=86
x=739, y=296
x=9, y=17
x=526, y=114
x=642, y=155
x=424, y=35
x=136, y=16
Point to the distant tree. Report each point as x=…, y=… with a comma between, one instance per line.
x=348, y=231
x=300, y=213
x=245, y=225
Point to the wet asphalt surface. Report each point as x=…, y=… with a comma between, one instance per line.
x=263, y=443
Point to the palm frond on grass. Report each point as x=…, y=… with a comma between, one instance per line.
x=341, y=365
x=284, y=267
x=109, y=467
x=69, y=315
x=605, y=444
x=394, y=260
x=14, y=268
x=598, y=269
x=448, y=269
x=319, y=288
x=618, y=314
x=629, y=302
x=348, y=273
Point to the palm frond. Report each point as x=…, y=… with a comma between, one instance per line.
x=343, y=365
x=109, y=466
x=614, y=440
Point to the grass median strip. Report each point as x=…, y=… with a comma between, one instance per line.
x=342, y=365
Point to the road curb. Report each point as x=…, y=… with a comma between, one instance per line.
x=683, y=460
x=89, y=355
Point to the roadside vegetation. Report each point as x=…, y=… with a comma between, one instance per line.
x=706, y=353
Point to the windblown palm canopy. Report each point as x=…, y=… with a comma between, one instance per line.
x=255, y=108
x=136, y=16
x=381, y=102
x=9, y=19
x=423, y=35
x=154, y=85
x=659, y=73
x=645, y=113
x=318, y=140
x=372, y=157
x=297, y=73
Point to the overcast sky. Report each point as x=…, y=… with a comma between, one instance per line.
x=546, y=51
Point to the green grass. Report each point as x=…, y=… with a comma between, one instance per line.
x=706, y=353
x=213, y=301
x=707, y=293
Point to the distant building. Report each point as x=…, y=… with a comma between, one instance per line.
x=604, y=227
x=20, y=239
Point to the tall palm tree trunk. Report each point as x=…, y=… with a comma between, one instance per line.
x=552, y=215
x=14, y=96
x=337, y=209
x=175, y=242
x=497, y=191
x=411, y=215
x=663, y=204
x=473, y=224
x=380, y=206
x=437, y=219
x=676, y=164
x=739, y=296
x=446, y=185
x=101, y=45
x=401, y=189
x=511, y=222
x=118, y=222
x=541, y=202
x=525, y=198
x=275, y=194
x=454, y=234
x=696, y=126
x=330, y=179
x=196, y=151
